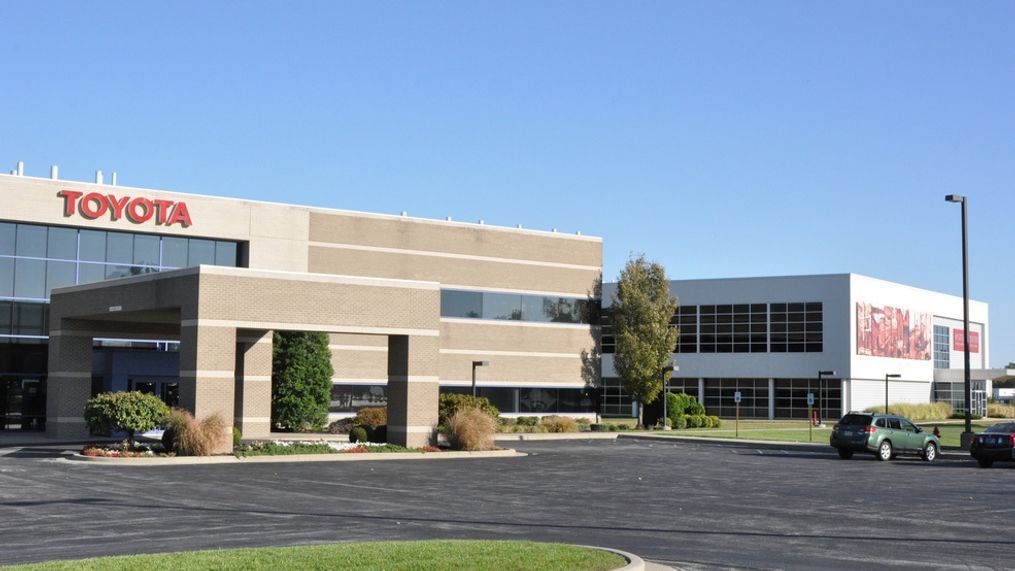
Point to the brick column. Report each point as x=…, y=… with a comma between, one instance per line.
x=412, y=389
x=207, y=374
x=68, y=384
x=253, y=383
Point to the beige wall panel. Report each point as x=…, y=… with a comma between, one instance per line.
x=452, y=271
x=299, y=301
x=352, y=339
x=356, y=365
x=438, y=236
x=547, y=339
x=505, y=369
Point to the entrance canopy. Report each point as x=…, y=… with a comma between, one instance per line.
x=223, y=318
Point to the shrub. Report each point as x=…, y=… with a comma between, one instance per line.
x=1000, y=411
x=582, y=421
x=470, y=429
x=714, y=422
x=357, y=434
x=693, y=420
x=450, y=403
x=613, y=427
x=300, y=381
x=527, y=420
x=131, y=412
x=695, y=407
x=598, y=427
x=681, y=422
x=679, y=404
x=191, y=437
x=370, y=417
x=341, y=426
x=917, y=412
x=237, y=437
x=503, y=421
x=962, y=415
x=556, y=423
x=622, y=427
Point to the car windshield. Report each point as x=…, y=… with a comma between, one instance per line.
x=855, y=420
x=1004, y=427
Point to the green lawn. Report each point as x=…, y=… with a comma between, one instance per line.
x=388, y=555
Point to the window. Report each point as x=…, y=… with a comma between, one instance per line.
x=513, y=307
x=942, y=351
x=686, y=318
x=532, y=400
x=350, y=398
x=796, y=328
x=791, y=398
x=720, y=397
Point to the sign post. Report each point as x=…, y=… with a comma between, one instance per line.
x=810, y=416
x=736, y=399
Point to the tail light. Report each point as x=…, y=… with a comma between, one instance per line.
x=870, y=429
x=1012, y=438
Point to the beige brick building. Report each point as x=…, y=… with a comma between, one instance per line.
x=115, y=288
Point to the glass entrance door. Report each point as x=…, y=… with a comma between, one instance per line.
x=22, y=403
x=167, y=389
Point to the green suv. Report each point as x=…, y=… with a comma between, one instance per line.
x=884, y=435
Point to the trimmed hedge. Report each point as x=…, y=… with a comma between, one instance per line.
x=131, y=412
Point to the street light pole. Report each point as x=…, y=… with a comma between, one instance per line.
x=474, y=365
x=967, y=435
x=889, y=376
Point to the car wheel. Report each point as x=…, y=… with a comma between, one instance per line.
x=984, y=462
x=845, y=454
x=930, y=452
x=885, y=452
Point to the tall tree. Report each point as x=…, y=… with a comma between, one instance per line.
x=300, y=381
x=641, y=312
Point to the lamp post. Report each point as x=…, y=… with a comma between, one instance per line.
x=668, y=371
x=821, y=388
x=474, y=365
x=967, y=435
x=889, y=376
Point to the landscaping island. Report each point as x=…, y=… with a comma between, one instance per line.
x=387, y=555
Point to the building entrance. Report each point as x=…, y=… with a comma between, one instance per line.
x=22, y=403
x=166, y=388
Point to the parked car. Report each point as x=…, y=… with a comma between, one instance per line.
x=996, y=444
x=884, y=435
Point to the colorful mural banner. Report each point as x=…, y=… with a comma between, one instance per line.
x=886, y=331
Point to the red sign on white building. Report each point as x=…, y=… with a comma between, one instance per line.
x=958, y=341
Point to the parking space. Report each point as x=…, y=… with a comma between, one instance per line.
x=688, y=503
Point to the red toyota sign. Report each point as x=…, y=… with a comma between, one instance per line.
x=138, y=210
x=959, y=343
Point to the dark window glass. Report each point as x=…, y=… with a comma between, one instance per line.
x=146, y=250
x=93, y=246
x=225, y=253
x=200, y=252
x=29, y=319
x=8, y=232
x=502, y=306
x=349, y=398
x=62, y=244
x=5, y=317
x=174, y=252
x=60, y=274
x=6, y=276
x=894, y=424
x=29, y=278
x=461, y=303
x=501, y=397
x=119, y=247
x=121, y=271
x=31, y=241
x=537, y=400
x=91, y=273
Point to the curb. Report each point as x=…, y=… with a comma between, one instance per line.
x=634, y=563
x=951, y=454
x=224, y=459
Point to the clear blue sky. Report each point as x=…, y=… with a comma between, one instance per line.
x=719, y=138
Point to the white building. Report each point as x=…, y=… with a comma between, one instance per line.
x=769, y=337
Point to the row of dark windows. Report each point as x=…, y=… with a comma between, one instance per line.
x=513, y=306
x=510, y=400
x=741, y=328
x=35, y=259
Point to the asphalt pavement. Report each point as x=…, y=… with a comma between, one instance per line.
x=685, y=504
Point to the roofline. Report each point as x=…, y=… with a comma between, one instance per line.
x=324, y=209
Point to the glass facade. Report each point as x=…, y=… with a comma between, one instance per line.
x=35, y=259
x=350, y=398
x=720, y=401
x=513, y=307
x=953, y=394
x=531, y=400
x=942, y=349
x=741, y=328
x=791, y=398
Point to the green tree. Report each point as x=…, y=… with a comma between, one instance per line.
x=300, y=381
x=131, y=412
x=641, y=312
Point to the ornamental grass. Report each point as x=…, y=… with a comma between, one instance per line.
x=470, y=429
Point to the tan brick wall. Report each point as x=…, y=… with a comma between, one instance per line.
x=68, y=385
x=438, y=236
x=207, y=374
x=253, y=383
x=412, y=389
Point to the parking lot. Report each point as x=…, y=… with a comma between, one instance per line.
x=687, y=504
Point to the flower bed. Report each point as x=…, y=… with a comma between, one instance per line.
x=119, y=451
x=286, y=448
